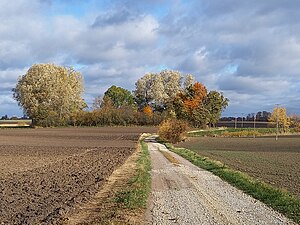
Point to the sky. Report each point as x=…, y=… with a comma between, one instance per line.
x=248, y=50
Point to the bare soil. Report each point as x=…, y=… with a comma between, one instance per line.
x=45, y=173
x=275, y=162
x=102, y=208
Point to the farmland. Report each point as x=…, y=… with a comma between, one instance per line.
x=15, y=123
x=274, y=162
x=46, y=172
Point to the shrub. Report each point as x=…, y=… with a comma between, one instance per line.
x=173, y=130
x=297, y=128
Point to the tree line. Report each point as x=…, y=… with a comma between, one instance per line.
x=51, y=95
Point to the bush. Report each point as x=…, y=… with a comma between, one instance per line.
x=297, y=128
x=173, y=130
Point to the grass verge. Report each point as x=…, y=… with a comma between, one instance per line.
x=238, y=132
x=278, y=199
x=138, y=188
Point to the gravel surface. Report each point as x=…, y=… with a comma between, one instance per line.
x=185, y=194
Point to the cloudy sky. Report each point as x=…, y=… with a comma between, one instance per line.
x=249, y=50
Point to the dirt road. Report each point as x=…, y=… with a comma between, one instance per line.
x=184, y=194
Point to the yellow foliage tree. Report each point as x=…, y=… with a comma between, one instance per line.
x=50, y=94
x=295, y=122
x=279, y=115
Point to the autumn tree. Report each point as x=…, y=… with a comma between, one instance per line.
x=119, y=96
x=159, y=90
x=148, y=111
x=50, y=94
x=199, y=107
x=194, y=96
x=279, y=116
x=295, y=122
x=188, y=105
x=189, y=81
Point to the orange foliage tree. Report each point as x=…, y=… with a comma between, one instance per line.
x=194, y=97
x=148, y=111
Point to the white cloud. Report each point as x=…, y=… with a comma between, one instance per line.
x=117, y=42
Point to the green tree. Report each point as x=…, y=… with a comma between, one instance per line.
x=215, y=103
x=50, y=94
x=119, y=96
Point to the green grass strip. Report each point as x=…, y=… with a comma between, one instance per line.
x=138, y=187
x=278, y=199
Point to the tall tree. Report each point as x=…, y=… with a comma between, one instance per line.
x=50, y=94
x=194, y=97
x=189, y=81
x=215, y=103
x=159, y=90
x=119, y=96
x=189, y=105
x=143, y=90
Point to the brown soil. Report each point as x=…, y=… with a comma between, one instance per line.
x=45, y=173
x=102, y=208
x=275, y=162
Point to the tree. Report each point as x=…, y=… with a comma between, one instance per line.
x=50, y=94
x=159, y=90
x=189, y=81
x=198, y=107
x=295, y=122
x=215, y=103
x=279, y=115
x=148, y=111
x=143, y=90
x=194, y=96
x=119, y=96
x=98, y=101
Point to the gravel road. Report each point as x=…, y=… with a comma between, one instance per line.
x=185, y=194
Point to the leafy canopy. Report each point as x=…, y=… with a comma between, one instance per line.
x=50, y=94
x=119, y=97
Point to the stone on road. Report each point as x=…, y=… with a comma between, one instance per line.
x=185, y=194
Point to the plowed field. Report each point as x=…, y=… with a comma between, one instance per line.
x=44, y=173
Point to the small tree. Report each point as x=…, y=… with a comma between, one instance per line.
x=148, y=111
x=279, y=116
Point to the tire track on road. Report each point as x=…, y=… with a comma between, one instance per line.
x=186, y=194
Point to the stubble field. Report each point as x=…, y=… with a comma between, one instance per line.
x=46, y=172
x=274, y=162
